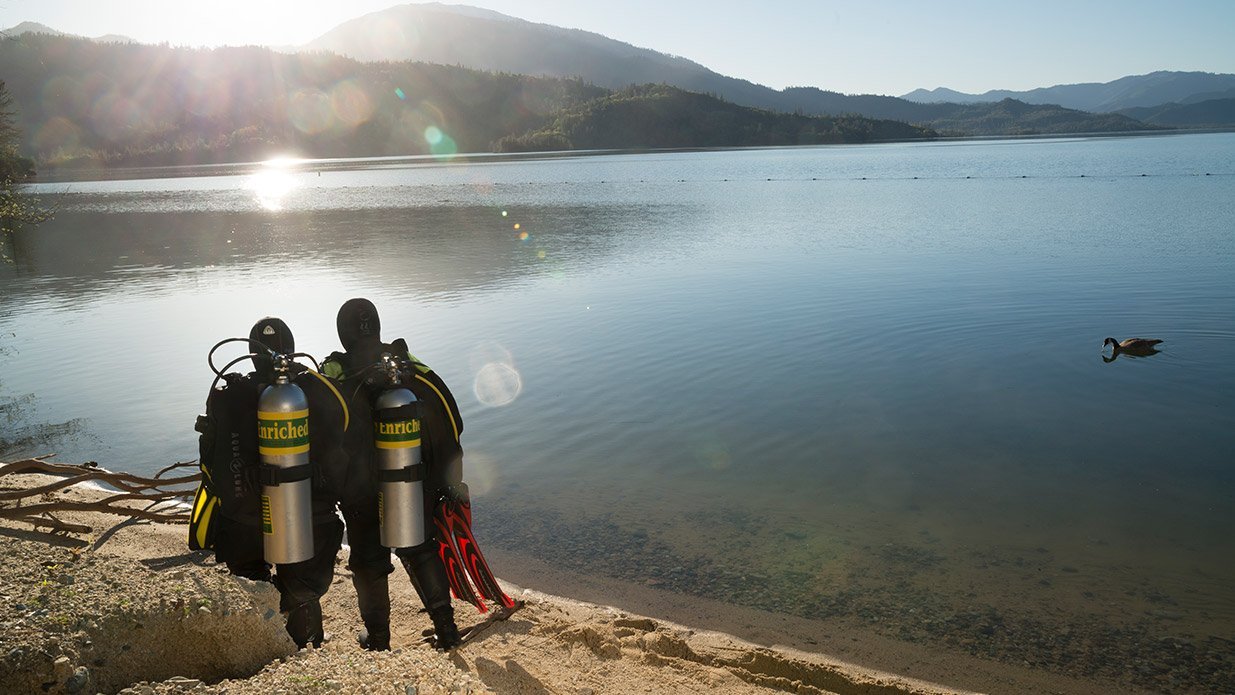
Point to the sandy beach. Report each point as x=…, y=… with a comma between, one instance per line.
x=125, y=607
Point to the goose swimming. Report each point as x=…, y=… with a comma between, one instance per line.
x=1133, y=346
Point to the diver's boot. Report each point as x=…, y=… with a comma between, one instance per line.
x=444, y=628
x=429, y=577
x=374, y=641
x=304, y=624
x=373, y=597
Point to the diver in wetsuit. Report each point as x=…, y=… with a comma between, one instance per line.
x=356, y=367
x=227, y=514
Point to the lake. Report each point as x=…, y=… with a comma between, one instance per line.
x=856, y=385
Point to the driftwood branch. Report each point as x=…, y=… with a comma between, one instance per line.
x=164, y=498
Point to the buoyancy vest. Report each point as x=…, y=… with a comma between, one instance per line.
x=442, y=427
x=229, y=460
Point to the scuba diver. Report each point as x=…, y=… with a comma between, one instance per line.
x=272, y=463
x=419, y=505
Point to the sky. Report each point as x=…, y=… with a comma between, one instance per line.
x=851, y=46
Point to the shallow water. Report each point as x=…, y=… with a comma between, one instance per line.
x=860, y=382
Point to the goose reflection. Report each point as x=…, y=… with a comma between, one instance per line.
x=1133, y=347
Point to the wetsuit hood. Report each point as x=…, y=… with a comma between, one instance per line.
x=360, y=331
x=268, y=334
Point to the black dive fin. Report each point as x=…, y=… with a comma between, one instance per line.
x=453, y=517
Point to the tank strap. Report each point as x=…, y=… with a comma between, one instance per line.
x=277, y=475
x=410, y=474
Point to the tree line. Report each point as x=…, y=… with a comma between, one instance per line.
x=82, y=102
x=15, y=209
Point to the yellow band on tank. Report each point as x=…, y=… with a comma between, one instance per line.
x=263, y=415
x=397, y=445
x=282, y=451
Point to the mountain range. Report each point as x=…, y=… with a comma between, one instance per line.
x=36, y=28
x=501, y=83
x=1136, y=91
x=486, y=40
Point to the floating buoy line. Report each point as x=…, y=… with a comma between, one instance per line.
x=968, y=177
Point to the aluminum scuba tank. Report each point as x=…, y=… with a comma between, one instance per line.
x=283, y=444
x=400, y=472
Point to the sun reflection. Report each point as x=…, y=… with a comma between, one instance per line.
x=283, y=162
x=272, y=184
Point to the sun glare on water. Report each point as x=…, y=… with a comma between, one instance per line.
x=272, y=184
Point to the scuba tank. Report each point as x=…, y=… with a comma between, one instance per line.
x=283, y=445
x=400, y=472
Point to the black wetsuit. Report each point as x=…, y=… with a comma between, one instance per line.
x=238, y=542
x=443, y=458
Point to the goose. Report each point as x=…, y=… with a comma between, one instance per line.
x=1133, y=346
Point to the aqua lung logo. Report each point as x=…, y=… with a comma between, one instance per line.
x=237, y=467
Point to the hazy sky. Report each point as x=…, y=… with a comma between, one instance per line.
x=852, y=46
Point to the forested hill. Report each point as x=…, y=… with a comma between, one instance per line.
x=1006, y=117
x=655, y=116
x=1212, y=113
x=85, y=102
x=106, y=103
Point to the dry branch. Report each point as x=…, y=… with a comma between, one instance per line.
x=36, y=505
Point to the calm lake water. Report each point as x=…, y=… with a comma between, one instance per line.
x=857, y=384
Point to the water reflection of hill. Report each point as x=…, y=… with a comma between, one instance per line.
x=441, y=250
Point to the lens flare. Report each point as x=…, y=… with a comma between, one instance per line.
x=351, y=103
x=441, y=145
x=497, y=381
x=310, y=111
x=66, y=97
x=399, y=93
x=60, y=136
x=114, y=116
x=497, y=384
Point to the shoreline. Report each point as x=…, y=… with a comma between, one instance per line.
x=609, y=636
x=74, y=173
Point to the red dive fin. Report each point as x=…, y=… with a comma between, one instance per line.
x=462, y=557
x=455, y=573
